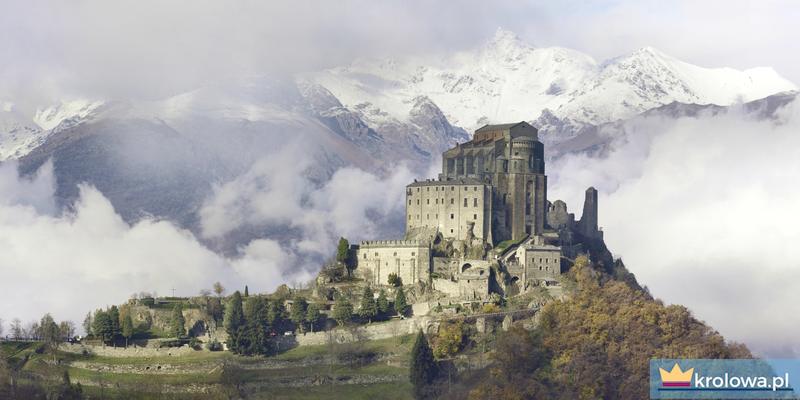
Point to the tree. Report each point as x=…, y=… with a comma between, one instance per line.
x=66, y=329
x=275, y=312
x=298, y=312
x=246, y=291
x=218, y=289
x=16, y=329
x=368, y=308
x=67, y=391
x=178, y=323
x=87, y=324
x=423, y=367
x=394, y=280
x=312, y=315
x=449, y=340
x=342, y=309
x=400, y=303
x=234, y=319
x=205, y=293
x=113, y=315
x=127, y=328
x=252, y=338
x=50, y=334
x=2, y=325
x=341, y=250
x=101, y=326
x=382, y=303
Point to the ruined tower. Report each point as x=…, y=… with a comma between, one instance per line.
x=588, y=223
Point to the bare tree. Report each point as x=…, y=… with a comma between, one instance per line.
x=16, y=329
x=205, y=293
x=66, y=329
x=32, y=330
x=219, y=289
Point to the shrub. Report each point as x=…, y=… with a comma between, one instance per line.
x=214, y=345
x=395, y=280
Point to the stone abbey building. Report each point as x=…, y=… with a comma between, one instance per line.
x=492, y=189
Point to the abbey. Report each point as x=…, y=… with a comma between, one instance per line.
x=484, y=222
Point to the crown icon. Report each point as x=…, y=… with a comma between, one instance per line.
x=676, y=377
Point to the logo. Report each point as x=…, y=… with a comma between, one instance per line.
x=676, y=377
x=723, y=379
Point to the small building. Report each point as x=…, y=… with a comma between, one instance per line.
x=408, y=259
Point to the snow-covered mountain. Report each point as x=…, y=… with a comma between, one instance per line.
x=508, y=80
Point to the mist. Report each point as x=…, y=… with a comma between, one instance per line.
x=702, y=211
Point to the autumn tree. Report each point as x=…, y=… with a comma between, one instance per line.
x=218, y=289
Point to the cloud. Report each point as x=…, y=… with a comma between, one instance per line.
x=89, y=257
x=702, y=211
x=277, y=194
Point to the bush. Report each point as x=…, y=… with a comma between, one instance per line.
x=214, y=345
x=148, y=301
x=395, y=280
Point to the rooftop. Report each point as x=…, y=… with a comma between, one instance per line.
x=454, y=182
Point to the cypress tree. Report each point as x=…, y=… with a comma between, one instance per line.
x=113, y=315
x=234, y=319
x=382, y=303
x=127, y=327
x=178, y=326
x=246, y=291
x=368, y=308
x=400, y=304
x=423, y=367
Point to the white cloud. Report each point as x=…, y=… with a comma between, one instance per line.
x=702, y=210
x=72, y=263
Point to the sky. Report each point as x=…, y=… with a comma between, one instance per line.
x=723, y=218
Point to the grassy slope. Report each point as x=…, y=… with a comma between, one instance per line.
x=258, y=380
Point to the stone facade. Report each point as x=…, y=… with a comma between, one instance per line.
x=449, y=207
x=409, y=259
x=510, y=159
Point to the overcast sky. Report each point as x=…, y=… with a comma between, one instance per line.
x=120, y=49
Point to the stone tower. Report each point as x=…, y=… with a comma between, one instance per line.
x=509, y=160
x=588, y=223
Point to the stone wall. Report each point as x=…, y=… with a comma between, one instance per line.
x=130, y=351
x=375, y=331
x=409, y=259
x=448, y=206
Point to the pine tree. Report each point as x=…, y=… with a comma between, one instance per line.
x=275, y=313
x=234, y=319
x=312, y=315
x=342, y=309
x=178, y=326
x=382, y=304
x=113, y=315
x=368, y=307
x=400, y=304
x=252, y=338
x=423, y=367
x=298, y=312
x=127, y=327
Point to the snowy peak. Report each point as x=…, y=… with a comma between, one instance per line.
x=69, y=111
x=506, y=79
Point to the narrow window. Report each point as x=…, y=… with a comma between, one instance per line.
x=395, y=254
x=413, y=254
x=475, y=202
x=452, y=216
x=452, y=188
x=417, y=201
x=409, y=201
x=428, y=201
x=465, y=201
x=475, y=216
x=452, y=201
